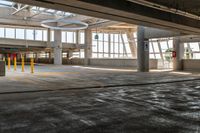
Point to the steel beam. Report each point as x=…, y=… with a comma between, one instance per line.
x=124, y=11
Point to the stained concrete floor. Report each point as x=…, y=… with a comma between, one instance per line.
x=74, y=99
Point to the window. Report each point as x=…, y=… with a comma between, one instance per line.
x=114, y=45
x=30, y=34
x=20, y=33
x=2, y=33
x=44, y=35
x=64, y=39
x=52, y=36
x=71, y=37
x=38, y=35
x=64, y=55
x=10, y=33
x=82, y=38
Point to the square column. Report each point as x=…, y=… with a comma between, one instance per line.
x=57, y=48
x=142, y=50
x=179, y=49
x=88, y=46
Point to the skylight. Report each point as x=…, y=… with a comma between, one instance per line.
x=4, y=3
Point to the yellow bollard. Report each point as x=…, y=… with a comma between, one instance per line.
x=32, y=65
x=8, y=63
x=15, y=63
x=22, y=63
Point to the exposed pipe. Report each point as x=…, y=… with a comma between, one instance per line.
x=164, y=8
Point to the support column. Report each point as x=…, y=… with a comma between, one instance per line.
x=49, y=38
x=50, y=57
x=70, y=54
x=109, y=45
x=179, y=49
x=57, y=48
x=88, y=46
x=142, y=51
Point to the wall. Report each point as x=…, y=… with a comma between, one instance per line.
x=2, y=68
x=126, y=63
x=191, y=64
x=75, y=61
x=121, y=63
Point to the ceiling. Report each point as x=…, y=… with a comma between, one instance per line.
x=17, y=14
x=190, y=6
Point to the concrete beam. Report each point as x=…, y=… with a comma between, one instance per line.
x=124, y=11
x=19, y=22
x=103, y=24
x=189, y=38
x=4, y=42
x=159, y=33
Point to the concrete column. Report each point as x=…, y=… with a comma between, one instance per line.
x=49, y=38
x=88, y=46
x=179, y=49
x=57, y=48
x=2, y=68
x=142, y=51
x=77, y=37
x=36, y=57
x=70, y=54
x=50, y=57
x=109, y=45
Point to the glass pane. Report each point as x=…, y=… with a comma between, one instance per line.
x=2, y=32
x=52, y=36
x=64, y=37
x=29, y=34
x=38, y=35
x=82, y=38
x=70, y=37
x=20, y=33
x=10, y=33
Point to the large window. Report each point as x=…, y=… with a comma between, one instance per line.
x=2, y=32
x=30, y=34
x=78, y=54
x=161, y=49
x=110, y=45
x=82, y=38
x=71, y=37
x=20, y=33
x=192, y=50
x=10, y=33
x=38, y=35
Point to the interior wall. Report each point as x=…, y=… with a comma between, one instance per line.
x=191, y=64
x=123, y=63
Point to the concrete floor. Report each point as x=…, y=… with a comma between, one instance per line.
x=74, y=99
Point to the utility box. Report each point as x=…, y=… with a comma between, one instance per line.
x=2, y=68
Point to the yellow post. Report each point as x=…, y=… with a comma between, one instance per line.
x=22, y=63
x=32, y=65
x=15, y=63
x=8, y=63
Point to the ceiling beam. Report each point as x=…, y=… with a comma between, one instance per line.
x=124, y=11
x=22, y=8
x=104, y=24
